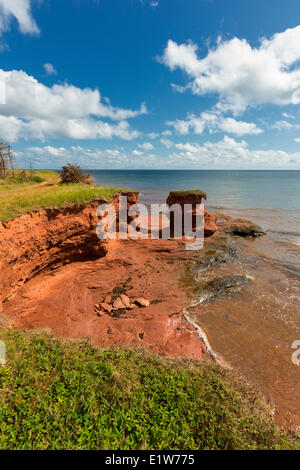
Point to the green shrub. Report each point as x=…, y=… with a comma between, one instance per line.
x=24, y=176
x=57, y=394
x=74, y=174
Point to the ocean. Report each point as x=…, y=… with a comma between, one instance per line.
x=269, y=198
x=254, y=331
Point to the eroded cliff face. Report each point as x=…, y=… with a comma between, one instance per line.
x=40, y=241
x=54, y=270
x=44, y=240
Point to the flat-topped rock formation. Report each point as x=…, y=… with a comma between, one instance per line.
x=54, y=271
x=192, y=198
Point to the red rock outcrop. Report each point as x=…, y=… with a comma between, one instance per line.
x=192, y=198
x=43, y=240
x=54, y=270
x=186, y=197
x=64, y=300
x=210, y=226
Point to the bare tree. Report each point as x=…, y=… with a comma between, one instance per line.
x=11, y=160
x=6, y=160
x=3, y=160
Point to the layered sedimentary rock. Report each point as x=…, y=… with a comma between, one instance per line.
x=188, y=201
x=186, y=197
x=42, y=240
x=54, y=270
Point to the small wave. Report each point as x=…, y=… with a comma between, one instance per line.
x=295, y=242
x=280, y=232
x=202, y=335
x=291, y=269
x=217, y=207
x=245, y=209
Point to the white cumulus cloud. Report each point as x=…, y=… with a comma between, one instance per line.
x=137, y=153
x=240, y=74
x=167, y=143
x=230, y=153
x=21, y=11
x=33, y=110
x=214, y=123
x=167, y=132
x=284, y=125
x=232, y=126
x=49, y=69
x=226, y=153
x=146, y=146
x=152, y=135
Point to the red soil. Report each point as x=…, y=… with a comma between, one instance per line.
x=64, y=300
x=54, y=270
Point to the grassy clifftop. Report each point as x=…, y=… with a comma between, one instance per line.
x=57, y=394
x=42, y=190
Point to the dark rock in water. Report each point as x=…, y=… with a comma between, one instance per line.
x=222, y=249
x=244, y=228
x=221, y=286
x=238, y=227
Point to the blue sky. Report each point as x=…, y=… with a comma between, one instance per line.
x=211, y=84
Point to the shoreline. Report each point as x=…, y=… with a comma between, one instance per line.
x=254, y=330
x=44, y=305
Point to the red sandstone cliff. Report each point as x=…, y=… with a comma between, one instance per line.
x=54, y=270
x=42, y=240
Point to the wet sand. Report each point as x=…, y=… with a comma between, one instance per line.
x=254, y=329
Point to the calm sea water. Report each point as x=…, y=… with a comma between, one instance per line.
x=270, y=198
x=253, y=331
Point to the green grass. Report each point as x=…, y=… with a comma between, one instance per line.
x=59, y=195
x=43, y=191
x=13, y=181
x=57, y=394
x=17, y=179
